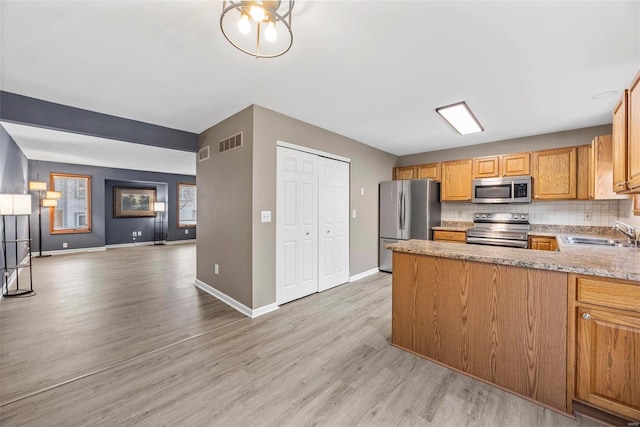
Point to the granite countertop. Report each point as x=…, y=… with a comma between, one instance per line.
x=613, y=262
x=454, y=226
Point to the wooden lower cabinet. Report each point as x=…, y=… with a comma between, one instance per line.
x=606, y=313
x=502, y=324
x=450, y=236
x=543, y=243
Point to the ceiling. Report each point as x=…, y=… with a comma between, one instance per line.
x=373, y=71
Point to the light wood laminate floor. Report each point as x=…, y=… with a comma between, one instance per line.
x=147, y=348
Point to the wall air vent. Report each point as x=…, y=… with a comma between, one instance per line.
x=230, y=143
x=203, y=153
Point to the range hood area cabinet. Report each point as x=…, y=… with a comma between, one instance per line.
x=626, y=140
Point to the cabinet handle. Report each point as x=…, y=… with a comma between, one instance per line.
x=586, y=316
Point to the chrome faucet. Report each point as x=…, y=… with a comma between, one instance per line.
x=627, y=230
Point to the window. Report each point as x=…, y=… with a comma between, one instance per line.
x=186, y=205
x=73, y=213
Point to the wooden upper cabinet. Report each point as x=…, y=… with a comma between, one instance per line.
x=515, y=164
x=431, y=170
x=633, y=137
x=584, y=178
x=620, y=143
x=601, y=169
x=486, y=167
x=555, y=173
x=405, y=172
x=506, y=165
x=456, y=181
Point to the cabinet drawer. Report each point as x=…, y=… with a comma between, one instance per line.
x=609, y=294
x=454, y=236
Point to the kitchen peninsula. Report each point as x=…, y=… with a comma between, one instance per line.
x=553, y=327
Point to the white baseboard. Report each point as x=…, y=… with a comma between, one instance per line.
x=73, y=251
x=363, y=274
x=129, y=245
x=252, y=313
x=179, y=242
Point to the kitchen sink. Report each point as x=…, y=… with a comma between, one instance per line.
x=599, y=241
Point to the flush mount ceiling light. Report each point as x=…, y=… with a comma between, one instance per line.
x=259, y=28
x=460, y=118
x=605, y=95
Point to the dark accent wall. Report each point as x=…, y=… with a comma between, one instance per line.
x=36, y=112
x=119, y=230
x=102, y=182
x=13, y=179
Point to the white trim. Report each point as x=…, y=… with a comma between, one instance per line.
x=312, y=151
x=129, y=245
x=252, y=313
x=74, y=251
x=363, y=274
x=264, y=310
x=179, y=242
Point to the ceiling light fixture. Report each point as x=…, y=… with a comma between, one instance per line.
x=460, y=118
x=245, y=23
x=605, y=95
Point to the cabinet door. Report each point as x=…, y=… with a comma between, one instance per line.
x=554, y=174
x=405, y=172
x=601, y=169
x=620, y=144
x=456, y=181
x=584, y=183
x=543, y=243
x=608, y=366
x=516, y=164
x=431, y=170
x=486, y=167
x=633, y=141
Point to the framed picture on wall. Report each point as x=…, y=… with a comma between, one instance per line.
x=133, y=202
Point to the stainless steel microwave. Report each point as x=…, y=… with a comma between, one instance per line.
x=514, y=189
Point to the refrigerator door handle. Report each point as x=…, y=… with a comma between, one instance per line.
x=402, y=211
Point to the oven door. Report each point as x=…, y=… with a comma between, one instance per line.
x=498, y=242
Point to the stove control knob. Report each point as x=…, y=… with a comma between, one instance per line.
x=515, y=217
x=523, y=217
x=484, y=216
x=477, y=215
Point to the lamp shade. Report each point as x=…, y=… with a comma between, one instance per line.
x=37, y=186
x=49, y=203
x=55, y=195
x=159, y=206
x=15, y=204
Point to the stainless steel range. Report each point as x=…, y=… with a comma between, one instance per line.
x=500, y=229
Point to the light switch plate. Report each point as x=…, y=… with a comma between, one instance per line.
x=265, y=216
x=354, y=213
x=361, y=192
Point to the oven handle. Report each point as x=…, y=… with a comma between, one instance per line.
x=513, y=190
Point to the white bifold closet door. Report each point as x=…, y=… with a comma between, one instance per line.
x=296, y=225
x=333, y=219
x=312, y=224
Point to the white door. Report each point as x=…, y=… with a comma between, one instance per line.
x=333, y=221
x=296, y=225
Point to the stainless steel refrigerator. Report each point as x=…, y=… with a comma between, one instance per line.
x=408, y=209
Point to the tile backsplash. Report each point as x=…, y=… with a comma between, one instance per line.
x=594, y=213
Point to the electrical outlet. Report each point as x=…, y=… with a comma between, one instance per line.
x=216, y=269
x=265, y=216
x=64, y=245
x=459, y=214
x=587, y=216
x=186, y=231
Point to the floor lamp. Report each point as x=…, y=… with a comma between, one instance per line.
x=159, y=208
x=47, y=199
